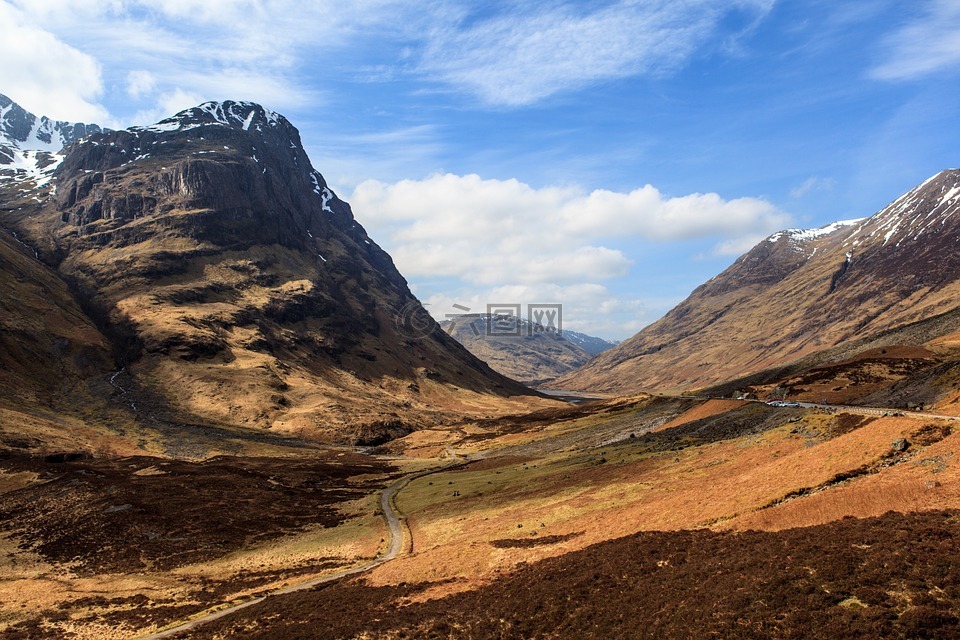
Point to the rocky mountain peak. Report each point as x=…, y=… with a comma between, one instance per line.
x=30, y=145
x=23, y=130
x=235, y=114
x=234, y=157
x=235, y=286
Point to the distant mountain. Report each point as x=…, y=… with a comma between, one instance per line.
x=529, y=354
x=234, y=286
x=591, y=344
x=798, y=292
x=29, y=145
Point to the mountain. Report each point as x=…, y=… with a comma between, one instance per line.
x=525, y=352
x=796, y=293
x=591, y=344
x=234, y=287
x=29, y=145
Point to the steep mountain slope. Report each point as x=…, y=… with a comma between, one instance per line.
x=52, y=357
x=534, y=357
x=799, y=292
x=236, y=288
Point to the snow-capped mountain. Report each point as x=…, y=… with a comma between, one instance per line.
x=797, y=292
x=236, y=114
x=30, y=145
x=591, y=344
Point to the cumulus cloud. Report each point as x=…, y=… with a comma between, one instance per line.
x=521, y=58
x=498, y=231
x=926, y=44
x=46, y=75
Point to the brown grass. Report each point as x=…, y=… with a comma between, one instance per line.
x=708, y=409
x=896, y=576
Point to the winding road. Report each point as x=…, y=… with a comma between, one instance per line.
x=395, y=522
x=399, y=532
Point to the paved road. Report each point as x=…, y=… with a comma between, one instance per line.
x=396, y=524
x=848, y=408
x=879, y=411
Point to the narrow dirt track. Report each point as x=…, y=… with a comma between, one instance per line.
x=395, y=522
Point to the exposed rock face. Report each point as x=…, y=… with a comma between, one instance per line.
x=237, y=288
x=798, y=292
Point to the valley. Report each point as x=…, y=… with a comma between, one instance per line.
x=521, y=501
x=225, y=414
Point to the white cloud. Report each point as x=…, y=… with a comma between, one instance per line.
x=648, y=213
x=260, y=49
x=492, y=232
x=140, y=83
x=813, y=183
x=45, y=75
x=927, y=44
x=521, y=58
x=59, y=54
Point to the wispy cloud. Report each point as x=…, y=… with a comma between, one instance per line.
x=351, y=157
x=735, y=246
x=516, y=54
x=151, y=52
x=813, y=183
x=926, y=44
x=524, y=57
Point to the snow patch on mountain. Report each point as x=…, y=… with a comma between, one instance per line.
x=924, y=209
x=236, y=114
x=30, y=146
x=799, y=238
x=31, y=165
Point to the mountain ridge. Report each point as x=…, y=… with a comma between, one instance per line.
x=526, y=351
x=30, y=146
x=795, y=293
x=236, y=287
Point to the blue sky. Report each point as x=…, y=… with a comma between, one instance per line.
x=609, y=156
